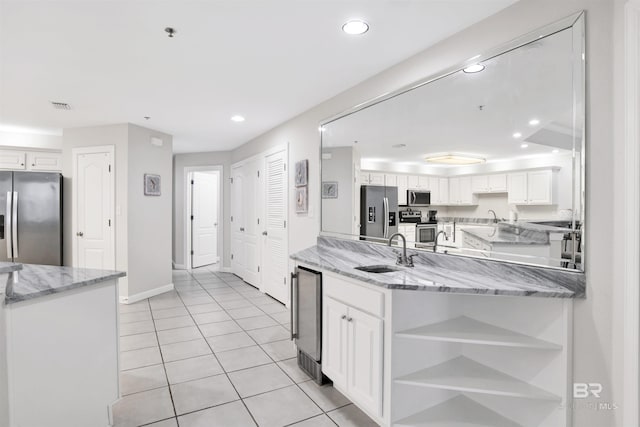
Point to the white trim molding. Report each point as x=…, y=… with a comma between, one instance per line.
x=146, y=294
x=631, y=371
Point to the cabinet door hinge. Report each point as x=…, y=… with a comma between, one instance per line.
x=284, y=280
x=191, y=217
x=258, y=221
x=231, y=179
x=109, y=223
x=109, y=168
x=258, y=269
x=192, y=182
x=285, y=166
x=258, y=174
x=285, y=224
x=231, y=218
x=191, y=252
x=231, y=256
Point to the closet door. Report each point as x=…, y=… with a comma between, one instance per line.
x=274, y=229
x=237, y=221
x=251, y=198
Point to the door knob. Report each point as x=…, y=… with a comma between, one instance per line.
x=79, y=234
x=241, y=228
x=264, y=233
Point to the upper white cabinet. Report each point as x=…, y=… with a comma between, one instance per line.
x=390, y=180
x=371, y=178
x=531, y=188
x=460, y=191
x=45, y=161
x=403, y=186
x=496, y=183
x=439, y=188
x=418, y=182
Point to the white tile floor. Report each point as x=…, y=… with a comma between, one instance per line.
x=216, y=353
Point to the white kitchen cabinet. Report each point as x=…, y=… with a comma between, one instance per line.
x=13, y=160
x=413, y=182
x=44, y=161
x=460, y=192
x=439, y=188
x=408, y=231
x=423, y=182
x=496, y=183
x=390, y=180
x=334, y=334
x=372, y=178
x=402, y=182
x=531, y=188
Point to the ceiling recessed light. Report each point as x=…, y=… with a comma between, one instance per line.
x=454, y=159
x=147, y=117
x=524, y=145
x=237, y=119
x=534, y=122
x=398, y=145
x=517, y=135
x=355, y=27
x=475, y=68
x=556, y=151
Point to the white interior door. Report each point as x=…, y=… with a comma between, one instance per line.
x=237, y=220
x=274, y=260
x=94, y=206
x=251, y=195
x=204, y=225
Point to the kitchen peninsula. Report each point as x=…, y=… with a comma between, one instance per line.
x=453, y=339
x=59, y=340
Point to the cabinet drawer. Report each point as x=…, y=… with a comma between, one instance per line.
x=354, y=295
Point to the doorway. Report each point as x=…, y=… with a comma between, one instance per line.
x=203, y=214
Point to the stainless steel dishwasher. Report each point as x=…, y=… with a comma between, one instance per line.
x=306, y=321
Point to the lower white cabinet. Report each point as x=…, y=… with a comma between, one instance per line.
x=352, y=347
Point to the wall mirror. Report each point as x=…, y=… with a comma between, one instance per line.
x=486, y=158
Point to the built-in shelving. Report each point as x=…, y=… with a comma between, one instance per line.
x=457, y=412
x=466, y=375
x=470, y=331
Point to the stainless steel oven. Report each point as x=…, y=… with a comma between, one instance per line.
x=426, y=234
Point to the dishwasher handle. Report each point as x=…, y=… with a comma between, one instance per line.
x=294, y=306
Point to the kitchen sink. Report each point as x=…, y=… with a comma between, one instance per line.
x=377, y=268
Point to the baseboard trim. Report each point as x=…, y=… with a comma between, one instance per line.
x=178, y=266
x=146, y=294
x=226, y=269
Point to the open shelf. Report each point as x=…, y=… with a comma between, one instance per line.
x=469, y=331
x=459, y=411
x=465, y=375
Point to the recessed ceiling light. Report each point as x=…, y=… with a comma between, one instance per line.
x=454, y=159
x=237, y=119
x=556, y=151
x=355, y=27
x=147, y=117
x=475, y=68
x=534, y=122
x=517, y=135
x=398, y=145
x=524, y=145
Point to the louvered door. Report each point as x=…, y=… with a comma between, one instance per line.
x=275, y=254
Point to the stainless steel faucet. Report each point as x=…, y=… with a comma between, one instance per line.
x=435, y=242
x=402, y=259
x=495, y=217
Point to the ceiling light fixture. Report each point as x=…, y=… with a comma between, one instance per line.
x=237, y=118
x=147, y=117
x=534, y=122
x=524, y=145
x=454, y=159
x=355, y=27
x=517, y=135
x=170, y=32
x=555, y=151
x=475, y=68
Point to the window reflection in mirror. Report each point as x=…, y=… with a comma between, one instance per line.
x=491, y=154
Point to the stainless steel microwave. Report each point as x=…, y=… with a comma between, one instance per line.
x=418, y=198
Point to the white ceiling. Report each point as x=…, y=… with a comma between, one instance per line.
x=266, y=60
x=475, y=114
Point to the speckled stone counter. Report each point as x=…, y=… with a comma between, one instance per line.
x=35, y=281
x=498, y=235
x=9, y=267
x=440, y=272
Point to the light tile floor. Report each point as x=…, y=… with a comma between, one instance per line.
x=216, y=353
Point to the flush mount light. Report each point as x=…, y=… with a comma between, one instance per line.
x=398, y=145
x=355, y=27
x=534, y=122
x=237, y=119
x=524, y=145
x=475, y=68
x=454, y=159
x=517, y=135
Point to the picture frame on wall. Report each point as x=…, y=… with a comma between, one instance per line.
x=151, y=184
x=302, y=200
x=302, y=173
x=330, y=190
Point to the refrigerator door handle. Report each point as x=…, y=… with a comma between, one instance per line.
x=14, y=225
x=386, y=217
x=7, y=225
x=294, y=306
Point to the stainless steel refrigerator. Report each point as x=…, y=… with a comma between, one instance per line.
x=31, y=217
x=378, y=211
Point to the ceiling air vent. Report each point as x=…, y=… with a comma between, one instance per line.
x=60, y=105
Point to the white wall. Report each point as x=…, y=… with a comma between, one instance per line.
x=116, y=135
x=180, y=162
x=149, y=217
x=30, y=140
x=593, y=345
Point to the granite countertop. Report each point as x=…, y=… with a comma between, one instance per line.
x=35, y=281
x=8, y=267
x=497, y=235
x=442, y=273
